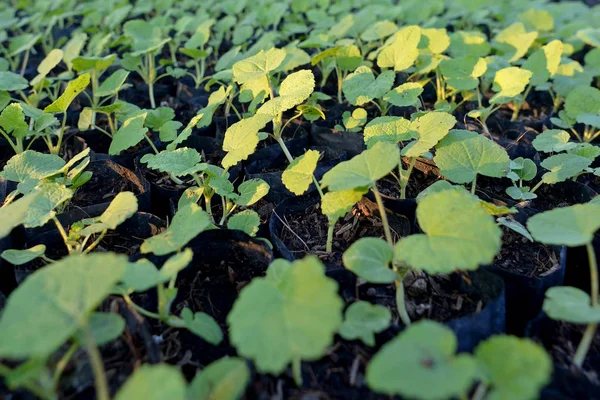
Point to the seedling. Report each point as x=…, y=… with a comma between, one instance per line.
x=284, y=299
x=582, y=106
x=353, y=122
x=572, y=226
x=426, y=352
x=342, y=59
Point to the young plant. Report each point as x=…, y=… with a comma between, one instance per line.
x=61, y=105
x=270, y=311
x=572, y=226
x=147, y=40
x=353, y=122
x=361, y=87
x=427, y=129
x=363, y=320
x=509, y=83
x=342, y=59
x=520, y=170
x=426, y=352
x=461, y=75
x=41, y=86
x=458, y=234
x=582, y=106
x=463, y=155
x=195, y=48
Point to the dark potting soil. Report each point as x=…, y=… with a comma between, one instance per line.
x=100, y=189
x=306, y=233
x=160, y=179
x=519, y=255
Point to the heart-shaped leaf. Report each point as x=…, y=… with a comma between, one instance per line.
x=361, y=86
x=569, y=226
x=370, y=259
x=247, y=221
x=363, y=320
x=569, y=304
x=403, y=51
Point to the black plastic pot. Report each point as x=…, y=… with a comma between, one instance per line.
x=525, y=293
x=295, y=144
x=105, y=173
x=278, y=192
x=352, y=143
x=578, y=265
x=403, y=216
x=138, y=227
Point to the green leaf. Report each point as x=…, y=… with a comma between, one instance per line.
x=508, y=83
x=246, y=221
x=462, y=155
x=120, y=209
x=428, y=129
x=434, y=40
x=158, y=117
x=569, y=304
x=423, y=353
x=154, y=382
x=335, y=205
x=539, y=20
x=20, y=257
x=361, y=86
x=553, y=141
x=516, y=368
x=112, y=84
x=97, y=64
x=468, y=43
x=129, y=134
x=523, y=168
x=73, y=89
x=586, y=150
x=582, y=100
x=294, y=89
x=146, y=36
x=180, y=162
x=48, y=63
x=203, y=325
x=364, y=169
x=370, y=259
x=15, y=213
x=463, y=73
x=43, y=208
x=9, y=81
x=363, y=320
x=12, y=121
x=258, y=66
x=515, y=226
x=55, y=301
x=29, y=167
x=168, y=131
x=514, y=41
x=563, y=166
x=458, y=234
x=187, y=223
x=590, y=36
x=402, y=52
x=292, y=318
x=224, y=379
x=143, y=275
x=569, y=226
x=104, y=327
x=241, y=139
x=405, y=95
x=544, y=62
x=387, y=129
x=252, y=191
x=298, y=176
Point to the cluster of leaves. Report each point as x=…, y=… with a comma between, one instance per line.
x=270, y=62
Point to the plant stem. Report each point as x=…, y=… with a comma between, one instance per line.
x=297, y=371
x=56, y=149
x=97, y=367
x=63, y=362
x=208, y=210
x=96, y=242
x=151, y=144
x=340, y=81
x=400, y=303
x=480, y=392
x=151, y=74
x=403, y=180
x=25, y=60
x=536, y=187
x=474, y=185
x=62, y=232
x=590, y=331
x=519, y=104
x=384, y=220
x=329, y=246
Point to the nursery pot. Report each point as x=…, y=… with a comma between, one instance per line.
x=352, y=143
x=89, y=200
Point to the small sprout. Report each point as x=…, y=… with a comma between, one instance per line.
x=363, y=320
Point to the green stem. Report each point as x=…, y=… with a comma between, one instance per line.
x=384, y=219
x=62, y=232
x=297, y=370
x=536, y=187
x=151, y=75
x=63, y=362
x=56, y=149
x=403, y=179
x=480, y=392
x=593, y=274
x=25, y=61
x=479, y=103
x=9, y=141
x=400, y=303
x=284, y=148
x=208, y=210
x=584, y=345
x=30, y=386
x=151, y=144
x=96, y=242
x=519, y=104
x=329, y=246
x=97, y=367
x=340, y=81
x=474, y=185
